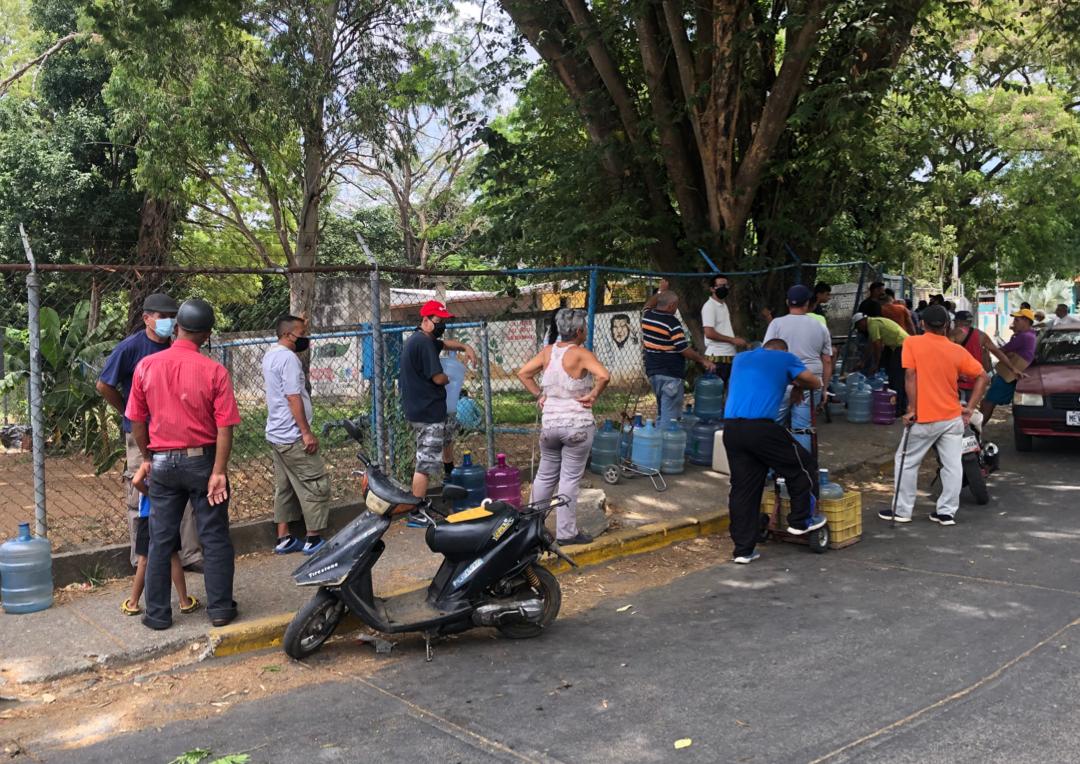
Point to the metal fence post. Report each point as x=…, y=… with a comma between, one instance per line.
x=594, y=283
x=384, y=459
x=854, y=310
x=489, y=418
x=36, y=424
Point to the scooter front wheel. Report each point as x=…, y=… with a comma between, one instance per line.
x=313, y=624
x=546, y=586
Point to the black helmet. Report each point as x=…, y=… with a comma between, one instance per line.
x=159, y=303
x=195, y=316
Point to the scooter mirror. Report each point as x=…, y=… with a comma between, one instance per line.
x=454, y=492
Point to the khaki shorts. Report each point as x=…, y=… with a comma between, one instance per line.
x=431, y=439
x=301, y=486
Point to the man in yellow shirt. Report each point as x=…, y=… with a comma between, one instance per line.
x=886, y=345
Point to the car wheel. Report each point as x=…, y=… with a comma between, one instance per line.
x=1024, y=442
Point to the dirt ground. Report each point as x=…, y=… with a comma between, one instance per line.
x=89, y=708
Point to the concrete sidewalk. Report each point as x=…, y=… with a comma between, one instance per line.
x=86, y=629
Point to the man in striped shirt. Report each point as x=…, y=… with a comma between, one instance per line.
x=666, y=350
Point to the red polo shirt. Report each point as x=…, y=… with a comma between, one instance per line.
x=185, y=396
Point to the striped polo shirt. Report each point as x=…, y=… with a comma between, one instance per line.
x=663, y=339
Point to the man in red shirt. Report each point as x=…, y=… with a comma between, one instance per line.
x=182, y=412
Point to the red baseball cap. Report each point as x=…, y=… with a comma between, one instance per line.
x=435, y=308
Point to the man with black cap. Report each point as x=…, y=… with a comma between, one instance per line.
x=182, y=411
x=935, y=418
x=114, y=385
x=811, y=343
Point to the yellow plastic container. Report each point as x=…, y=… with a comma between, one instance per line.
x=844, y=516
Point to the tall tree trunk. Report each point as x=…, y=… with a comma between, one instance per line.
x=302, y=285
x=157, y=220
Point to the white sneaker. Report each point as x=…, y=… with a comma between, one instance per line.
x=746, y=559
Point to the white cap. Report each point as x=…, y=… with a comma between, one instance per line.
x=857, y=318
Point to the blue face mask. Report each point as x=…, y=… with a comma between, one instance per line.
x=163, y=327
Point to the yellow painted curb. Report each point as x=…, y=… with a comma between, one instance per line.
x=262, y=633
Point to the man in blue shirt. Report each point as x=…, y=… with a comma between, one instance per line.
x=114, y=384
x=755, y=443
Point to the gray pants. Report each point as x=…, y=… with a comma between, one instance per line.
x=948, y=437
x=564, y=453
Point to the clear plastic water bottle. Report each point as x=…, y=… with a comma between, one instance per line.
x=827, y=489
x=26, y=573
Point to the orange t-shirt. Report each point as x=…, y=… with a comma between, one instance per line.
x=900, y=314
x=938, y=363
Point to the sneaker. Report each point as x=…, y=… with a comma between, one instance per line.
x=746, y=559
x=581, y=538
x=942, y=519
x=886, y=514
x=313, y=544
x=812, y=524
x=288, y=545
x=415, y=520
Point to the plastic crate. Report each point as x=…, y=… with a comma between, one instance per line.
x=844, y=515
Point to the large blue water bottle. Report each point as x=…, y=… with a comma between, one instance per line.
x=471, y=477
x=709, y=397
x=828, y=489
x=673, y=452
x=689, y=419
x=469, y=414
x=626, y=437
x=605, y=447
x=26, y=573
x=647, y=450
x=701, y=441
x=455, y=372
x=859, y=402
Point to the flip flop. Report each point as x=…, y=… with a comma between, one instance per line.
x=193, y=606
x=128, y=609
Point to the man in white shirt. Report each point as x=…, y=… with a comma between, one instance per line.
x=721, y=344
x=810, y=342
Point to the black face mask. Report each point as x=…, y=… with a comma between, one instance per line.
x=721, y=292
x=438, y=331
x=302, y=343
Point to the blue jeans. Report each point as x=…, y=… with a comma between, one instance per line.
x=669, y=398
x=800, y=415
x=176, y=479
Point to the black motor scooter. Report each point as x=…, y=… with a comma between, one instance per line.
x=490, y=574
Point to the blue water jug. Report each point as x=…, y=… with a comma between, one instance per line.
x=701, y=441
x=469, y=414
x=673, y=452
x=826, y=488
x=647, y=449
x=626, y=440
x=605, y=447
x=709, y=397
x=26, y=573
x=455, y=372
x=859, y=404
x=689, y=419
x=471, y=477
x=852, y=383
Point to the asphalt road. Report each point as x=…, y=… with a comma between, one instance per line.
x=920, y=644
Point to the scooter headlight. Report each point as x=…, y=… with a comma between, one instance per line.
x=1029, y=399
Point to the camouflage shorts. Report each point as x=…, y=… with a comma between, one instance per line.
x=431, y=439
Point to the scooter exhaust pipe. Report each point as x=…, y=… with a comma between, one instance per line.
x=509, y=611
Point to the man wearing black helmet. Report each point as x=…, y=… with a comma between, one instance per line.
x=114, y=384
x=182, y=411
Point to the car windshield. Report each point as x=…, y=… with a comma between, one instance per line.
x=1059, y=347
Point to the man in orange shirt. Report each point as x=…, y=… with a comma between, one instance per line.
x=932, y=366
x=894, y=309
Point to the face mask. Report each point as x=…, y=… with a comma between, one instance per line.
x=721, y=292
x=163, y=327
x=438, y=331
x=302, y=344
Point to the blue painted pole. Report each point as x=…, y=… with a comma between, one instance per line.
x=594, y=283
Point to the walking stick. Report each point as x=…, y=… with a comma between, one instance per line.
x=899, y=475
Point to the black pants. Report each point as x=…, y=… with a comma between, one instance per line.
x=176, y=479
x=892, y=362
x=753, y=447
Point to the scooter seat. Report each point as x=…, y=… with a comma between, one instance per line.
x=461, y=541
x=387, y=490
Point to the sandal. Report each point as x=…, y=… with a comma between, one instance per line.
x=128, y=609
x=192, y=607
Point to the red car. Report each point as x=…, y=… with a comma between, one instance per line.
x=1047, y=402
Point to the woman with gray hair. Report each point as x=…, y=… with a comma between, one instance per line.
x=572, y=380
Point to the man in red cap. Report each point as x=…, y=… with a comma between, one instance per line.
x=422, y=383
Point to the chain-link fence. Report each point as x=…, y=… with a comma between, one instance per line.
x=359, y=323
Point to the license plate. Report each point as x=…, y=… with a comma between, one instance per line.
x=971, y=443
x=1072, y=418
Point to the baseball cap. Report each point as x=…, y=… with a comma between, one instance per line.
x=799, y=294
x=1027, y=313
x=857, y=318
x=436, y=309
x=935, y=315
x=962, y=315
x=159, y=303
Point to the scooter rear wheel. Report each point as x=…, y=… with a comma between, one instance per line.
x=313, y=624
x=550, y=592
x=974, y=478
